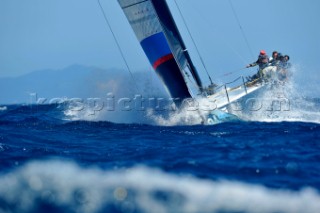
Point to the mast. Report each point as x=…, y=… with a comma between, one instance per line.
x=161, y=41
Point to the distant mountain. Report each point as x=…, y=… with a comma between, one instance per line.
x=76, y=81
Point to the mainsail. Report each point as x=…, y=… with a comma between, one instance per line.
x=161, y=41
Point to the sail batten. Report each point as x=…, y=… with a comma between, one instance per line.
x=132, y=4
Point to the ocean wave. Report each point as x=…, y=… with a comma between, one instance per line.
x=3, y=108
x=59, y=186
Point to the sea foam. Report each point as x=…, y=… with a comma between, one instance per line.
x=54, y=186
x=3, y=108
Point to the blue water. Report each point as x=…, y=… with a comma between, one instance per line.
x=51, y=164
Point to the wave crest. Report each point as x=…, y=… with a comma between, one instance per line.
x=54, y=186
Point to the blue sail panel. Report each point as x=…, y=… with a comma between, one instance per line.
x=156, y=47
x=163, y=62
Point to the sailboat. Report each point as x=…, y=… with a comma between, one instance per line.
x=159, y=37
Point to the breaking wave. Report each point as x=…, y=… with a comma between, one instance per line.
x=119, y=100
x=194, y=112
x=3, y=108
x=57, y=186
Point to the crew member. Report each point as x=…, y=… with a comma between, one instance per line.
x=262, y=62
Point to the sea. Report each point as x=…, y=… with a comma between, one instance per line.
x=54, y=158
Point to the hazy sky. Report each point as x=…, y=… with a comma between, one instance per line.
x=41, y=34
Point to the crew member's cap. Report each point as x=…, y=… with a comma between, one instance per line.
x=262, y=52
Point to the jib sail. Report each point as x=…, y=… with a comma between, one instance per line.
x=161, y=41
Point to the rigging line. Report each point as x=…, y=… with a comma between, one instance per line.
x=191, y=82
x=118, y=45
x=232, y=72
x=241, y=29
x=193, y=41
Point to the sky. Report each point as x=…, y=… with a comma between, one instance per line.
x=54, y=34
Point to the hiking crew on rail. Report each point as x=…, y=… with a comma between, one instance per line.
x=275, y=67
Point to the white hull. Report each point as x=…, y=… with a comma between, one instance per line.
x=223, y=98
x=227, y=96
